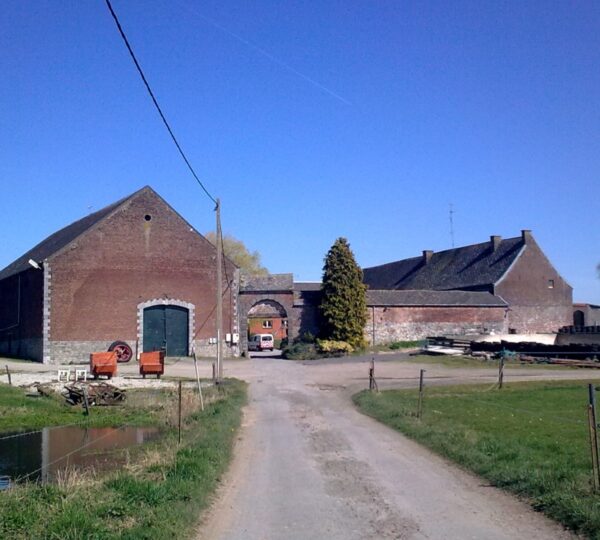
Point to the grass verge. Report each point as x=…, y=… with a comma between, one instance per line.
x=529, y=438
x=159, y=494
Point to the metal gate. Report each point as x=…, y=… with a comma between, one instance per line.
x=166, y=327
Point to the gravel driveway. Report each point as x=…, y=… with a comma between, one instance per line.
x=308, y=465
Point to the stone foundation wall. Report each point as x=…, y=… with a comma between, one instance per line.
x=539, y=319
x=414, y=323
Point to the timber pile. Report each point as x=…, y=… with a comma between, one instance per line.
x=100, y=393
x=559, y=361
x=454, y=346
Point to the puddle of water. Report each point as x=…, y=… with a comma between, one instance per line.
x=40, y=455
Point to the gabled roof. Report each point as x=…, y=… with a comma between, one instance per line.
x=60, y=239
x=470, y=267
x=55, y=242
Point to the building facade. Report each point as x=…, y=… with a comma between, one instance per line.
x=134, y=271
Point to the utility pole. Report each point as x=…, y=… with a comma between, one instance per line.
x=219, y=293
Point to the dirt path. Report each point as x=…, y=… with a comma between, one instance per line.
x=308, y=465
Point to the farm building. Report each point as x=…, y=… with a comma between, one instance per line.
x=500, y=286
x=457, y=284
x=134, y=271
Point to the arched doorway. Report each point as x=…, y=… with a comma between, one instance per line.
x=578, y=318
x=268, y=317
x=166, y=324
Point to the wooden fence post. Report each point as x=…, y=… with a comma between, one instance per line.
x=179, y=414
x=421, y=385
x=593, y=426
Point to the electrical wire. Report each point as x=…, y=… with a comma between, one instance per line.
x=24, y=433
x=154, y=100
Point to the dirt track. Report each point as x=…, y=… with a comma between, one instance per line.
x=308, y=465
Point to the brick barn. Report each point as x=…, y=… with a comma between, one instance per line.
x=134, y=271
x=467, y=288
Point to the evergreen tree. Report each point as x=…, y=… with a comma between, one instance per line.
x=344, y=303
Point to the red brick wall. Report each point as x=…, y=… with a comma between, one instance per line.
x=98, y=282
x=534, y=307
x=278, y=329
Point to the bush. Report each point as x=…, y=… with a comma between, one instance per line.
x=301, y=351
x=306, y=337
x=404, y=345
x=331, y=347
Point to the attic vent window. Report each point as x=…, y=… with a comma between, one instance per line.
x=551, y=284
x=147, y=217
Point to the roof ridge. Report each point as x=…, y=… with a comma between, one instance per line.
x=71, y=232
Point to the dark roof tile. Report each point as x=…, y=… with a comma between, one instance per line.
x=469, y=267
x=55, y=242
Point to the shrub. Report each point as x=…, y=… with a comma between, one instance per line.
x=331, y=347
x=306, y=337
x=301, y=351
x=404, y=345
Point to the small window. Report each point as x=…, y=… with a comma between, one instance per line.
x=512, y=330
x=551, y=284
x=267, y=324
x=267, y=338
x=147, y=217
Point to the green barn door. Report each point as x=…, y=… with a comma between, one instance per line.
x=176, y=325
x=166, y=327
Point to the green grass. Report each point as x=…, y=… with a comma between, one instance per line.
x=529, y=438
x=20, y=412
x=159, y=495
x=470, y=361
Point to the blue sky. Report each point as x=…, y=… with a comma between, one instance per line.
x=311, y=120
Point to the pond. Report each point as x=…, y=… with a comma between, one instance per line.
x=40, y=455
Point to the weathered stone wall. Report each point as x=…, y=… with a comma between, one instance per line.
x=413, y=323
x=591, y=314
x=539, y=299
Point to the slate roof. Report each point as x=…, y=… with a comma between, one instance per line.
x=55, y=242
x=307, y=285
x=433, y=298
x=469, y=267
x=270, y=283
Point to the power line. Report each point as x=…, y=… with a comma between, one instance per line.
x=139, y=68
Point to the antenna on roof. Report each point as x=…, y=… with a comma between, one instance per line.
x=452, y=212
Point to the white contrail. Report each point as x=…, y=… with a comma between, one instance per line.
x=267, y=54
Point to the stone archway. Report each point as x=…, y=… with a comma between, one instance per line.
x=578, y=318
x=267, y=316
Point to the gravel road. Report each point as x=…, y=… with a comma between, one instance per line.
x=308, y=465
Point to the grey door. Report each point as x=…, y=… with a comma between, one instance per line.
x=166, y=327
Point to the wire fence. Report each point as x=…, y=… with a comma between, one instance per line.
x=182, y=403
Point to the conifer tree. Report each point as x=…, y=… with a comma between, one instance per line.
x=344, y=304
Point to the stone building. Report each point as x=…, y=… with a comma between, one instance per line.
x=513, y=272
x=134, y=271
x=586, y=315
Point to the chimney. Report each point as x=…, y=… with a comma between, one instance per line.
x=427, y=255
x=495, y=242
x=526, y=236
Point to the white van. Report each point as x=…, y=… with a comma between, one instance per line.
x=261, y=342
